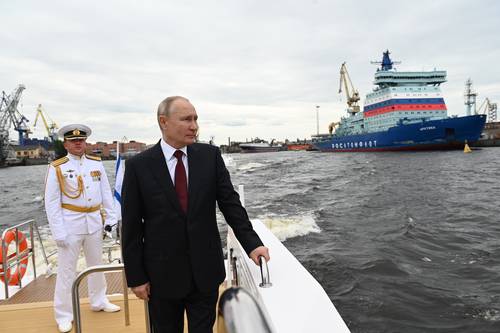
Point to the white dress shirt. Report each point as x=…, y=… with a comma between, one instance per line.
x=168, y=153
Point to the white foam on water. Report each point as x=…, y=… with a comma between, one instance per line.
x=284, y=227
x=250, y=166
x=38, y=198
x=491, y=315
x=228, y=160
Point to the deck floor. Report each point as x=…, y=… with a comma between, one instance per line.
x=30, y=310
x=42, y=289
x=39, y=318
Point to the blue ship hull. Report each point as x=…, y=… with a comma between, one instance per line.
x=443, y=134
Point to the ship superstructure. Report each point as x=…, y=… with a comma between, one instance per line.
x=405, y=111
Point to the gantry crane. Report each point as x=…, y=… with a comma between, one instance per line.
x=488, y=108
x=51, y=128
x=351, y=93
x=10, y=114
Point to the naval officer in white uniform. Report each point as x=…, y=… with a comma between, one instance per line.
x=76, y=190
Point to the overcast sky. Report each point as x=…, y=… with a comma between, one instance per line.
x=251, y=68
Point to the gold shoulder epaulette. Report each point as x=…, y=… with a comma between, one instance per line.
x=95, y=158
x=59, y=161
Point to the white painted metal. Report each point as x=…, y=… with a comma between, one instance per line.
x=296, y=302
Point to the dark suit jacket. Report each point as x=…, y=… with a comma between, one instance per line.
x=163, y=245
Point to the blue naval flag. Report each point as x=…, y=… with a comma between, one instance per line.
x=119, y=172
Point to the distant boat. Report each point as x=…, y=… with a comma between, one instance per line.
x=490, y=136
x=260, y=146
x=298, y=146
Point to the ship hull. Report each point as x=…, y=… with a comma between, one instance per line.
x=259, y=149
x=298, y=146
x=443, y=134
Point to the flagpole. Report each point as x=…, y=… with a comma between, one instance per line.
x=119, y=170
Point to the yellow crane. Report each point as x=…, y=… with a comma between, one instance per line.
x=51, y=128
x=351, y=93
x=333, y=126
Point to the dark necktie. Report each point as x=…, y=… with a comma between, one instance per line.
x=181, y=181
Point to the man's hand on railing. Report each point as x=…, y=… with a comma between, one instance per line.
x=142, y=291
x=260, y=251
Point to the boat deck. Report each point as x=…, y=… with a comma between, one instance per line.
x=42, y=289
x=30, y=310
x=39, y=317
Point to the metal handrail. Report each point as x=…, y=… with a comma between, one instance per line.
x=46, y=257
x=7, y=263
x=264, y=274
x=75, y=295
x=242, y=313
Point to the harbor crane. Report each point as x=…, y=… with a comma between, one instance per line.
x=351, y=93
x=10, y=114
x=488, y=108
x=50, y=127
x=332, y=127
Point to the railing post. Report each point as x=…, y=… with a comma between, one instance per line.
x=32, y=241
x=125, y=299
x=16, y=239
x=75, y=295
x=147, y=319
x=4, y=267
x=264, y=274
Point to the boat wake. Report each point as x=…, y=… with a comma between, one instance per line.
x=285, y=227
x=250, y=166
x=228, y=160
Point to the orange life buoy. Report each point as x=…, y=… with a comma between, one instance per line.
x=14, y=277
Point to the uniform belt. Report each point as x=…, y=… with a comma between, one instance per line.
x=80, y=209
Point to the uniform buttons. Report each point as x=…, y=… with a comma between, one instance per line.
x=90, y=199
x=86, y=187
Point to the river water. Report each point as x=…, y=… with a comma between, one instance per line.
x=401, y=242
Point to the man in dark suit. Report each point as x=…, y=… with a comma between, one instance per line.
x=171, y=244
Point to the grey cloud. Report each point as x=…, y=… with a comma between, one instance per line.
x=234, y=123
x=257, y=67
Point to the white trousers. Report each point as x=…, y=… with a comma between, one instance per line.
x=66, y=274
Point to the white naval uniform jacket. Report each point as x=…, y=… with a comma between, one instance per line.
x=96, y=191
